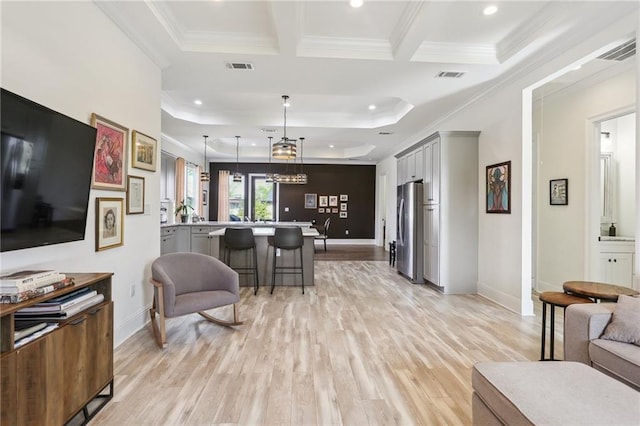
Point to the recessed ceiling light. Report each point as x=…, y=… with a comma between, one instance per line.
x=197, y=102
x=331, y=146
x=372, y=107
x=253, y=144
x=576, y=68
x=356, y=3
x=490, y=10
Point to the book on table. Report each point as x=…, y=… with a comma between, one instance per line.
x=61, y=303
x=23, y=277
x=64, y=314
x=13, y=286
x=17, y=297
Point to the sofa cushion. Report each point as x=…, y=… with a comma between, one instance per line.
x=625, y=323
x=620, y=360
x=553, y=393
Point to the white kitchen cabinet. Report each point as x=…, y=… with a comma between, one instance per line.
x=431, y=243
x=200, y=239
x=451, y=211
x=431, y=182
x=615, y=262
x=411, y=165
x=168, y=239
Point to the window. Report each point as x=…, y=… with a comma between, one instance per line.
x=236, y=199
x=263, y=197
x=191, y=193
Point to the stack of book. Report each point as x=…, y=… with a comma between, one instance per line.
x=26, y=331
x=62, y=307
x=24, y=285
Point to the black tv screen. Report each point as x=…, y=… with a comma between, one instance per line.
x=45, y=176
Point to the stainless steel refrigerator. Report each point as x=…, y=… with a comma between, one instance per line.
x=409, y=259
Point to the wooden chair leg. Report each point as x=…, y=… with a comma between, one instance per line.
x=159, y=331
x=215, y=320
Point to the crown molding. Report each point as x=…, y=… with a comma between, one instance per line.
x=455, y=53
x=344, y=48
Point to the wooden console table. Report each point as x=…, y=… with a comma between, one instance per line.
x=53, y=378
x=596, y=290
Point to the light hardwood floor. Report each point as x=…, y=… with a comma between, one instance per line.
x=361, y=347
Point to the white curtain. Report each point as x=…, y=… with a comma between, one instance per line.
x=181, y=171
x=223, y=195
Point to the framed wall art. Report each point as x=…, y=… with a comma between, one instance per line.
x=559, y=192
x=310, y=201
x=499, y=188
x=109, y=223
x=344, y=197
x=321, y=210
x=333, y=200
x=135, y=195
x=343, y=207
x=334, y=210
x=343, y=215
x=323, y=201
x=143, y=151
x=109, y=159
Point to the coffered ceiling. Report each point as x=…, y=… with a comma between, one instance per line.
x=333, y=61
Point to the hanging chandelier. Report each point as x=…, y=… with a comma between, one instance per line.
x=296, y=178
x=204, y=176
x=286, y=148
x=237, y=176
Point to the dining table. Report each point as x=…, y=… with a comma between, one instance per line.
x=597, y=290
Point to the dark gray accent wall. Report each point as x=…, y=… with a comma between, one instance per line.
x=357, y=182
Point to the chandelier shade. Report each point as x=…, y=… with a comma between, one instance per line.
x=204, y=175
x=296, y=178
x=286, y=148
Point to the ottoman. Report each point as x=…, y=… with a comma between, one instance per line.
x=550, y=393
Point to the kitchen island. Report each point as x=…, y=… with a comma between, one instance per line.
x=265, y=257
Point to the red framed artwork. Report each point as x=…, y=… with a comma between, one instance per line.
x=110, y=156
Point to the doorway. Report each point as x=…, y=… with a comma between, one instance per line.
x=263, y=196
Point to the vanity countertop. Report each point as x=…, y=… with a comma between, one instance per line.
x=607, y=238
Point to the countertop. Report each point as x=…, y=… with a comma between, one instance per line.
x=607, y=238
x=239, y=224
x=269, y=231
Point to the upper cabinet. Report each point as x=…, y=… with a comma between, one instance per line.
x=411, y=165
x=432, y=172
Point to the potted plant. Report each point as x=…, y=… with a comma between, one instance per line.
x=183, y=210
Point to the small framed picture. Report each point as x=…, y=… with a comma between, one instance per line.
x=333, y=200
x=204, y=197
x=321, y=210
x=323, y=201
x=110, y=156
x=143, y=151
x=559, y=192
x=310, y=201
x=344, y=197
x=109, y=223
x=343, y=207
x=334, y=210
x=499, y=187
x=135, y=195
x=343, y=215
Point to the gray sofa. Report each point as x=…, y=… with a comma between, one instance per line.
x=583, y=326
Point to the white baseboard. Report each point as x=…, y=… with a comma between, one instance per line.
x=505, y=300
x=363, y=242
x=130, y=325
x=542, y=286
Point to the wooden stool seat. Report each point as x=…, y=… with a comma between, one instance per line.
x=555, y=298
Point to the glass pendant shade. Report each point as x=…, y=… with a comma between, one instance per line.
x=284, y=150
x=237, y=176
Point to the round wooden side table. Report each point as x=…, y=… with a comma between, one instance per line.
x=555, y=298
x=598, y=291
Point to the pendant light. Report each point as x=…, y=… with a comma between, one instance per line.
x=270, y=176
x=301, y=178
x=286, y=148
x=237, y=176
x=204, y=176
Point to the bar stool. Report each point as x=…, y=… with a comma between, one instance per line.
x=555, y=298
x=392, y=253
x=286, y=238
x=240, y=239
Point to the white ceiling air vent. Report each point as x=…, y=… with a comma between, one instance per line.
x=239, y=66
x=450, y=74
x=385, y=133
x=620, y=53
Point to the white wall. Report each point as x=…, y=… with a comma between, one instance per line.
x=504, y=271
x=387, y=170
x=71, y=58
x=626, y=176
x=563, y=153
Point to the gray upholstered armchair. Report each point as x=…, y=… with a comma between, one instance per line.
x=186, y=283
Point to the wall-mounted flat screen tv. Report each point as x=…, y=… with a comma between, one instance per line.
x=45, y=175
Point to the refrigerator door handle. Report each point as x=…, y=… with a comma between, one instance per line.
x=401, y=221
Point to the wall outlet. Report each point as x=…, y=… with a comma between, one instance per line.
x=132, y=290
x=286, y=209
x=346, y=232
